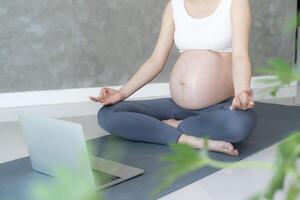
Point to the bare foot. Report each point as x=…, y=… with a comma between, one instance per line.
x=172, y=122
x=213, y=145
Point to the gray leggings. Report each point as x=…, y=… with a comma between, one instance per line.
x=139, y=120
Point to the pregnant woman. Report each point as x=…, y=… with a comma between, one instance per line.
x=209, y=83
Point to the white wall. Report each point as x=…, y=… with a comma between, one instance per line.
x=75, y=102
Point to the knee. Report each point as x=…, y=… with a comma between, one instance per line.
x=109, y=115
x=241, y=124
x=104, y=117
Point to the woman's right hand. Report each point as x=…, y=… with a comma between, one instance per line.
x=108, y=96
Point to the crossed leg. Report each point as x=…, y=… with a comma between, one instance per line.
x=139, y=120
x=222, y=126
x=147, y=121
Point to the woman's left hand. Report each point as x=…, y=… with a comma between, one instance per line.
x=243, y=100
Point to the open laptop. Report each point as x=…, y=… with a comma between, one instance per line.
x=52, y=143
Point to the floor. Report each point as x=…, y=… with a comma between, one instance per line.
x=230, y=184
x=225, y=184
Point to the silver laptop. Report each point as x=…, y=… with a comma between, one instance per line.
x=52, y=143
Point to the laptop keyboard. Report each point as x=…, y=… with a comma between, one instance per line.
x=103, y=178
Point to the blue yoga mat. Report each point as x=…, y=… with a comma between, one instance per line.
x=275, y=122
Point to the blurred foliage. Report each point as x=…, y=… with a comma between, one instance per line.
x=69, y=183
x=186, y=159
x=75, y=185
x=284, y=74
x=292, y=23
x=183, y=160
x=288, y=154
x=69, y=186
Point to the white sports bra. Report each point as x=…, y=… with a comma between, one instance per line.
x=212, y=32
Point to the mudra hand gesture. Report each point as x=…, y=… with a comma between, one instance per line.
x=108, y=96
x=243, y=100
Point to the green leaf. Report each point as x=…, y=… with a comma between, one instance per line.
x=283, y=72
x=287, y=154
x=280, y=68
x=256, y=196
x=183, y=160
x=292, y=23
x=294, y=191
x=69, y=186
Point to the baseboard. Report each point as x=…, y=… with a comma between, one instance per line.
x=75, y=102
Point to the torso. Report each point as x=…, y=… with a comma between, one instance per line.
x=201, y=78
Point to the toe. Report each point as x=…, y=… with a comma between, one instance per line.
x=230, y=147
x=236, y=152
x=229, y=152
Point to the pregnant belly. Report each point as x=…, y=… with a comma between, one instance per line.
x=201, y=78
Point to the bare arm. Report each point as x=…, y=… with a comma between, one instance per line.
x=153, y=66
x=241, y=69
x=241, y=22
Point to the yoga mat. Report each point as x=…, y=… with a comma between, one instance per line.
x=275, y=122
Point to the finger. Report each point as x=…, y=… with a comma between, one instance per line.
x=235, y=104
x=250, y=92
x=110, y=100
x=96, y=99
x=101, y=92
x=101, y=100
x=244, y=101
x=251, y=104
x=93, y=98
x=105, y=93
x=107, y=103
x=109, y=90
x=232, y=106
x=106, y=100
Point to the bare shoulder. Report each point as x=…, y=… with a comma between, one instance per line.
x=241, y=26
x=240, y=2
x=169, y=8
x=240, y=6
x=240, y=10
x=168, y=13
x=165, y=40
